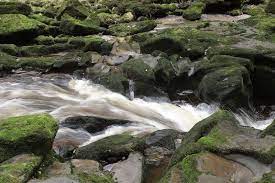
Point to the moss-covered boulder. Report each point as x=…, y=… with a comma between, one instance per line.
x=15, y=7
x=19, y=168
x=186, y=42
x=73, y=8
x=72, y=26
x=222, y=79
x=267, y=178
x=110, y=149
x=137, y=70
x=114, y=81
x=229, y=86
x=18, y=28
x=40, y=50
x=10, y=49
x=270, y=130
x=221, y=133
x=194, y=12
x=126, y=29
x=25, y=134
x=199, y=168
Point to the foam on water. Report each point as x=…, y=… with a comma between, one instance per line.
x=63, y=97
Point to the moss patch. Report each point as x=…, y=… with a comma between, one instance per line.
x=194, y=12
x=19, y=169
x=17, y=27
x=31, y=133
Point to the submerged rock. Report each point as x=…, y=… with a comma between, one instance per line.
x=26, y=134
x=110, y=149
x=90, y=123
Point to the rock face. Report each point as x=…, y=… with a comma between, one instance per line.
x=130, y=170
x=27, y=134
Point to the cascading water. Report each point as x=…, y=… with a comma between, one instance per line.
x=63, y=97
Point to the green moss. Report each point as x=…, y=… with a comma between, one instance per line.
x=125, y=29
x=268, y=178
x=213, y=139
x=19, y=169
x=30, y=133
x=137, y=70
x=110, y=148
x=17, y=27
x=184, y=41
x=40, y=50
x=10, y=49
x=108, y=18
x=45, y=40
x=189, y=167
x=194, y=12
x=270, y=130
x=44, y=19
x=15, y=128
x=189, y=144
x=14, y=7
x=264, y=24
x=94, y=178
x=72, y=26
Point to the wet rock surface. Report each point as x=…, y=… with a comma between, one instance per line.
x=213, y=51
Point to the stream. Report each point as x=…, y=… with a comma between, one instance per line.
x=64, y=96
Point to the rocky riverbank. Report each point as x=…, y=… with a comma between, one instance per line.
x=219, y=52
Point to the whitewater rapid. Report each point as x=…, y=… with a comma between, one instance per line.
x=62, y=96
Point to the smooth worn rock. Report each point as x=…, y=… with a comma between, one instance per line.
x=85, y=166
x=208, y=167
x=24, y=134
x=19, y=168
x=130, y=170
x=58, y=169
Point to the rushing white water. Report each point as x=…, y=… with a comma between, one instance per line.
x=62, y=97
